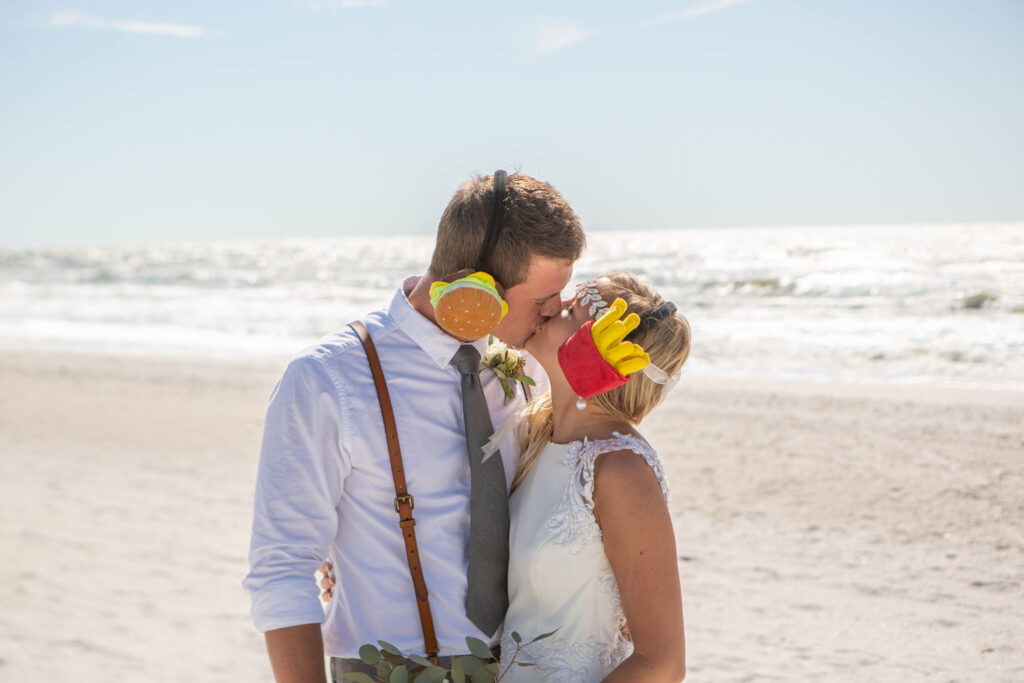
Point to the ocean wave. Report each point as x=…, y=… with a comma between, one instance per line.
x=825, y=300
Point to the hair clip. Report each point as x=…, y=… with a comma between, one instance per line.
x=586, y=293
x=663, y=311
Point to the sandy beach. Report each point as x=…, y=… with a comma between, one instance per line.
x=826, y=532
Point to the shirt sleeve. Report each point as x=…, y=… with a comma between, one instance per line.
x=299, y=483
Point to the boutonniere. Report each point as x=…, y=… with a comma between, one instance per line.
x=507, y=364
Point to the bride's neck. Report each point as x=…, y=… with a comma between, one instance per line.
x=572, y=424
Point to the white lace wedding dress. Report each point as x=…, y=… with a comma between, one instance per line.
x=558, y=574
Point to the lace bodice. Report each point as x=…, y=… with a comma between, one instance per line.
x=559, y=576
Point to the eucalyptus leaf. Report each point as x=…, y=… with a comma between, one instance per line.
x=479, y=648
x=526, y=380
x=434, y=674
x=492, y=667
x=399, y=675
x=389, y=648
x=545, y=635
x=525, y=664
x=357, y=677
x=516, y=637
x=482, y=677
x=422, y=661
x=469, y=665
x=369, y=654
x=457, y=675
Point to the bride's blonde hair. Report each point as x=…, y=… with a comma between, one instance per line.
x=667, y=341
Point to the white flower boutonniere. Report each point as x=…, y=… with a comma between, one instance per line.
x=507, y=364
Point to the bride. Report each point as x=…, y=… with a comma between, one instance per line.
x=591, y=543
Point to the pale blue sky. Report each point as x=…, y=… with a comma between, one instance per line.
x=134, y=121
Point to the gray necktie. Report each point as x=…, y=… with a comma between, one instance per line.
x=488, y=504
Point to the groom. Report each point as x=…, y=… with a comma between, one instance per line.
x=324, y=487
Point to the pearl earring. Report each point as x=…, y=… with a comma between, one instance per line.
x=581, y=403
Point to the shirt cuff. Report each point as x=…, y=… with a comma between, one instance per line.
x=284, y=606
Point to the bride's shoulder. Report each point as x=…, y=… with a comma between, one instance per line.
x=628, y=466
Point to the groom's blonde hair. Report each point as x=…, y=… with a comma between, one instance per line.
x=537, y=222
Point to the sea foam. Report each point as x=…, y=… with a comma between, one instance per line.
x=908, y=303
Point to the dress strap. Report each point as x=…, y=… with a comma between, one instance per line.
x=572, y=524
x=589, y=450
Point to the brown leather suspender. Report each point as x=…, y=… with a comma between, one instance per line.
x=404, y=502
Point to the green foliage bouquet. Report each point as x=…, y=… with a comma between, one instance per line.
x=480, y=666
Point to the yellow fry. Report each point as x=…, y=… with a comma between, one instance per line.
x=615, y=331
x=633, y=365
x=610, y=316
x=637, y=352
x=631, y=321
x=619, y=353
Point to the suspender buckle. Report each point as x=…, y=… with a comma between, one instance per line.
x=404, y=498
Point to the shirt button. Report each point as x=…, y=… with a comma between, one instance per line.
x=441, y=361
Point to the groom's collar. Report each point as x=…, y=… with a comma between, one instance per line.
x=437, y=344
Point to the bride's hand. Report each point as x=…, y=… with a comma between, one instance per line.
x=327, y=581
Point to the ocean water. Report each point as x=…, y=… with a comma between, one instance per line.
x=907, y=303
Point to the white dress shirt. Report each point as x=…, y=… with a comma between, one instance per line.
x=324, y=487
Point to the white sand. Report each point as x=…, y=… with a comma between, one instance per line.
x=835, y=533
